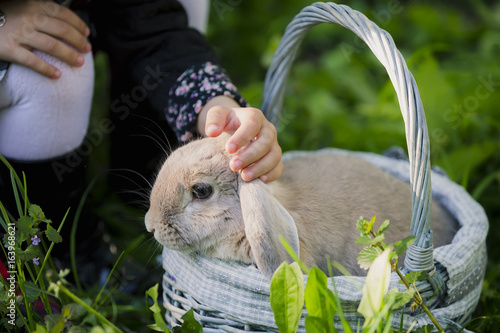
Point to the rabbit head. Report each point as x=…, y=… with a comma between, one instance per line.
x=198, y=203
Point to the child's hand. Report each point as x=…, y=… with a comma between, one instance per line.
x=262, y=157
x=44, y=26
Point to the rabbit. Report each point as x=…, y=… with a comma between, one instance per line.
x=197, y=203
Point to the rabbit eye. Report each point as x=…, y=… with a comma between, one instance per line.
x=202, y=191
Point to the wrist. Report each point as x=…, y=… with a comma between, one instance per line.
x=192, y=92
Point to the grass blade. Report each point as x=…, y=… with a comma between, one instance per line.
x=72, y=244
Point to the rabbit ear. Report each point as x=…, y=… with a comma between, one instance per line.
x=265, y=221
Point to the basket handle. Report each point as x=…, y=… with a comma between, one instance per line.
x=420, y=254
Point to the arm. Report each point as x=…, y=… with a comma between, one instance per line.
x=148, y=37
x=203, y=100
x=153, y=36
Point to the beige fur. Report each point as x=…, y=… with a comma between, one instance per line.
x=314, y=205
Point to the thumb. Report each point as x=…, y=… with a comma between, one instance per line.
x=218, y=119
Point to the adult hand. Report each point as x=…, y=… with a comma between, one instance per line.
x=250, y=130
x=45, y=26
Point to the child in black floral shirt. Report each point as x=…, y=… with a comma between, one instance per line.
x=163, y=74
x=166, y=83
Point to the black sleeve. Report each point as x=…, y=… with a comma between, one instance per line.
x=149, y=43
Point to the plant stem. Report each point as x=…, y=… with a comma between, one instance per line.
x=418, y=299
x=107, y=280
x=29, y=310
x=431, y=317
x=88, y=308
x=47, y=253
x=402, y=277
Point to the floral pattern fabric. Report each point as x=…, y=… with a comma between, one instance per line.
x=192, y=90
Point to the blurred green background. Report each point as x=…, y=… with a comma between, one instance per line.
x=339, y=95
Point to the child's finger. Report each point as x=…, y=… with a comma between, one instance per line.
x=256, y=150
x=30, y=60
x=59, y=29
x=216, y=120
x=66, y=15
x=247, y=126
x=268, y=168
x=56, y=48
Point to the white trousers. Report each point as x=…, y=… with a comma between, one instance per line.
x=41, y=118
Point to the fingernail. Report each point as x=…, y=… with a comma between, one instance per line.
x=249, y=175
x=80, y=60
x=88, y=47
x=87, y=31
x=212, y=128
x=236, y=165
x=264, y=178
x=231, y=148
x=57, y=74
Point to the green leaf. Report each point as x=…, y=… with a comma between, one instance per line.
x=65, y=311
x=372, y=221
x=317, y=325
x=367, y=240
x=25, y=225
x=425, y=329
x=383, y=227
x=153, y=293
x=40, y=329
x=52, y=234
x=76, y=329
x=367, y=256
x=317, y=305
x=360, y=225
x=364, y=226
x=37, y=213
x=287, y=296
x=402, y=245
x=413, y=277
x=75, y=311
x=4, y=295
x=363, y=240
x=159, y=324
x=398, y=299
x=25, y=221
x=189, y=324
x=313, y=298
x=104, y=329
x=32, y=291
x=55, y=323
x=31, y=252
x=19, y=238
x=406, y=297
x=375, y=287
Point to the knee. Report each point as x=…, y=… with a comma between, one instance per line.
x=56, y=112
x=73, y=90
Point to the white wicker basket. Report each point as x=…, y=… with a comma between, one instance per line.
x=230, y=297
